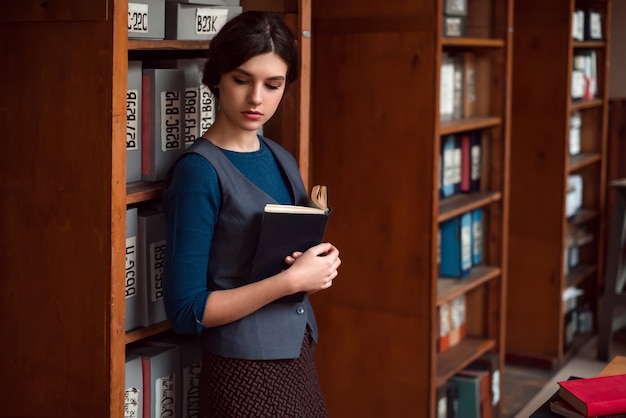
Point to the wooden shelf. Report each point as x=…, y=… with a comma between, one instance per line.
x=161, y=45
x=461, y=203
x=576, y=162
x=540, y=168
x=459, y=356
x=473, y=42
x=469, y=124
x=450, y=288
x=138, y=334
x=142, y=191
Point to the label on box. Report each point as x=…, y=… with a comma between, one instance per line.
x=210, y=20
x=157, y=255
x=137, y=18
x=171, y=121
x=132, y=128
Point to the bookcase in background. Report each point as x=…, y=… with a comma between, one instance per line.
x=376, y=144
x=543, y=111
x=62, y=245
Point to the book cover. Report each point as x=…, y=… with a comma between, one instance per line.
x=131, y=280
x=458, y=319
x=468, y=388
x=484, y=390
x=133, y=122
x=447, y=165
x=477, y=236
x=446, y=88
x=457, y=160
x=133, y=387
x=283, y=231
x=456, y=253
x=471, y=162
x=490, y=362
x=443, y=327
x=593, y=396
x=151, y=224
x=162, y=126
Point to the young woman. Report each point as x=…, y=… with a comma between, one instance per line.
x=258, y=356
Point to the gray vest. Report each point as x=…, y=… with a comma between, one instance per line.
x=276, y=330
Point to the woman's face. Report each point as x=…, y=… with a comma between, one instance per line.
x=250, y=94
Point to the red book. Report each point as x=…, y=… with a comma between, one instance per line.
x=596, y=396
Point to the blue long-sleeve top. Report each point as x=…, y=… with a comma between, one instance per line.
x=192, y=203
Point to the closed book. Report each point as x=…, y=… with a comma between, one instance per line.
x=458, y=319
x=453, y=399
x=468, y=388
x=594, y=396
x=469, y=85
x=491, y=363
x=457, y=160
x=446, y=88
x=477, y=236
x=442, y=401
x=152, y=233
x=289, y=228
x=447, y=165
x=162, y=123
x=563, y=409
x=459, y=83
x=456, y=253
x=486, y=408
x=133, y=387
x=131, y=278
x=133, y=122
x=443, y=327
x=471, y=162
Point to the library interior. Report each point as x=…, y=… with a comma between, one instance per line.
x=474, y=156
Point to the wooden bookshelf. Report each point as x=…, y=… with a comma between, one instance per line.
x=376, y=143
x=64, y=208
x=542, y=106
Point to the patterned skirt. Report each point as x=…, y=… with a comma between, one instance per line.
x=262, y=388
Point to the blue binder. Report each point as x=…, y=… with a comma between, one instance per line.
x=456, y=252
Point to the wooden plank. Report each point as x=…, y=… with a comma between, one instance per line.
x=53, y=11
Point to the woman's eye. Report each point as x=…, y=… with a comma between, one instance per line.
x=272, y=87
x=239, y=81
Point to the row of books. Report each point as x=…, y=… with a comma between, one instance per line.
x=460, y=244
x=167, y=108
x=457, y=90
x=179, y=19
x=451, y=323
x=460, y=163
x=474, y=392
x=162, y=377
x=586, y=25
x=584, y=75
x=145, y=252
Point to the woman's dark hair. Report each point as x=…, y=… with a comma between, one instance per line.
x=245, y=36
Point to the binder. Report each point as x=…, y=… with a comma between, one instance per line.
x=133, y=122
x=447, y=164
x=456, y=257
x=131, y=279
x=477, y=236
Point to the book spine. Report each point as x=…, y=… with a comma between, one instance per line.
x=133, y=122
x=131, y=288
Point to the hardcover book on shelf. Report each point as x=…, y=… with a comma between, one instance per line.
x=133, y=122
x=289, y=228
x=443, y=327
x=447, y=165
x=442, y=401
x=595, y=396
x=486, y=407
x=458, y=320
x=490, y=363
x=469, y=85
x=468, y=388
x=446, y=88
x=151, y=224
x=593, y=25
x=162, y=136
x=131, y=280
x=477, y=236
x=471, y=162
x=456, y=253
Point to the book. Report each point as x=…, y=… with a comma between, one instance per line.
x=152, y=233
x=544, y=410
x=162, y=121
x=133, y=387
x=477, y=236
x=131, y=278
x=456, y=249
x=484, y=390
x=447, y=165
x=595, y=396
x=133, y=122
x=289, y=228
x=468, y=395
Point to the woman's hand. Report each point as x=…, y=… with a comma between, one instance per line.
x=314, y=269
